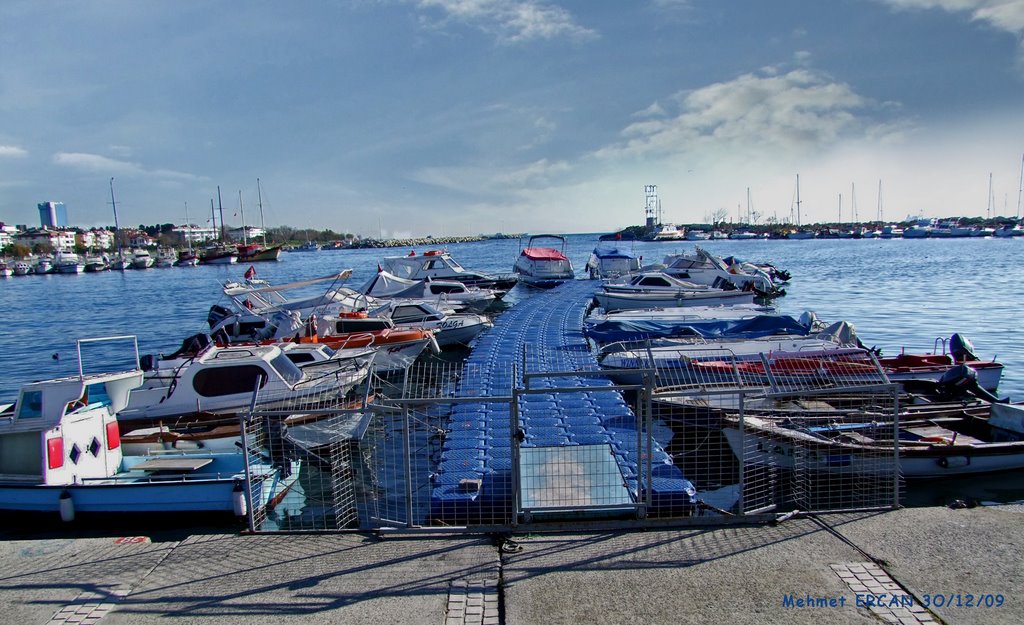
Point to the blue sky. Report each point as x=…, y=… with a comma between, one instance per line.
x=463, y=116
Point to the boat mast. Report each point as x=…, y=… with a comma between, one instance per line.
x=213, y=215
x=840, y=209
x=879, y=216
x=242, y=211
x=259, y=197
x=220, y=205
x=853, y=200
x=1020, y=190
x=798, y=200
x=117, y=229
x=188, y=229
x=990, y=200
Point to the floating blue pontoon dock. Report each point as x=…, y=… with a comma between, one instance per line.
x=576, y=427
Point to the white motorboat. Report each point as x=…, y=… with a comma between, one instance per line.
x=6, y=270
x=21, y=268
x=206, y=378
x=95, y=263
x=647, y=289
x=449, y=329
x=674, y=358
x=541, y=265
x=142, y=259
x=68, y=262
x=165, y=257
x=611, y=260
x=702, y=267
x=669, y=232
x=439, y=265
x=43, y=265
x=63, y=454
x=442, y=293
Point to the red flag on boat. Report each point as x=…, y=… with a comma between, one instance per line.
x=250, y=273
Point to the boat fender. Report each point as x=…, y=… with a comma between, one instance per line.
x=434, y=347
x=67, y=507
x=238, y=503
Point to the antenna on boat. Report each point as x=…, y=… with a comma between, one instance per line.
x=853, y=201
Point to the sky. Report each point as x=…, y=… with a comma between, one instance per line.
x=457, y=117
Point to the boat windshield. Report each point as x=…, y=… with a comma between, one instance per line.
x=287, y=369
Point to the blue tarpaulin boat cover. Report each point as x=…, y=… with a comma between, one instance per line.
x=611, y=252
x=636, y=329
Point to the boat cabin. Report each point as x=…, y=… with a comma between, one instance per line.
x=65, y=430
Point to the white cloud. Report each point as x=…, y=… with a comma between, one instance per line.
x=513, y=22
x=97, y=163
x=802, y=110
x=1007, y=15
x=499, y=179
x=12, y=151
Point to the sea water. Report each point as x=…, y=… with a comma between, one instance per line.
x=900, y=294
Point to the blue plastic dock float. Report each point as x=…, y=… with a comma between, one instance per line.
x=473, y=483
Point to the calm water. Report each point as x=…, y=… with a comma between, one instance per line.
x=899, y=294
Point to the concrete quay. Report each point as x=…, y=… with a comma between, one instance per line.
x=802, y=570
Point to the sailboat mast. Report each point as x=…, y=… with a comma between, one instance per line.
x=220, y=205
x=213, y=215
x=840, y=208
x=1020, y=189
x=853, y=201
x=188, y=229
x=242, y=211
x=991, y=199
x=117, y=228
x=879, y=217
x=798, y=222
x=259, y=198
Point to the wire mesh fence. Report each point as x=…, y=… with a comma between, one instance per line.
x=484, y=447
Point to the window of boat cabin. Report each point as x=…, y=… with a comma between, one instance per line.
x=654, y=281
x=438, y=289
x=219, y=381
x=429, y=264
x=31, y=405
x=287, y=369
x=301, y=358
x=403, y=314
x=361, y=325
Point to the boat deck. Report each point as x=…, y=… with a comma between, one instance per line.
x=474, y=479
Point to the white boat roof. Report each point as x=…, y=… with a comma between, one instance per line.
x=234, y=288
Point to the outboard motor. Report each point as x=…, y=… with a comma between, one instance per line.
x=191, y=346
x=961, y=349
x=961, y=380
x=216, y=315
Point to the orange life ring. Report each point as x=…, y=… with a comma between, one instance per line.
x=353, y=315
x=432, y=253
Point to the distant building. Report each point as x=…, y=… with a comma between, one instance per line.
x=53, y=215
x=62, y=240
x=7, y=233
x=140, y=239
x=97, y=238
x=197, y=234
x=249, y=233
